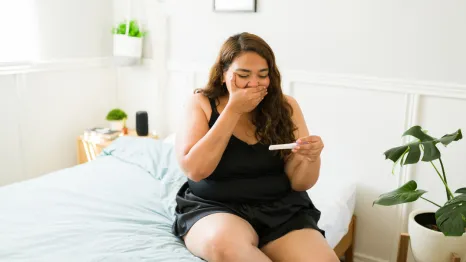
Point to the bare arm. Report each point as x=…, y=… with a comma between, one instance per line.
x=199, y=148
x=303, y=165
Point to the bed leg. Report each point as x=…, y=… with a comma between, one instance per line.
x=349, y=254
x=403, y=245
x=455, y=258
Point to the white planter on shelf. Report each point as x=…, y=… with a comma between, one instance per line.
x=431, y=246
x=127, y=50
x=116, y=125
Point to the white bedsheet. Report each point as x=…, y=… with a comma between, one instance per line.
x=336, y=199
x=119, y=208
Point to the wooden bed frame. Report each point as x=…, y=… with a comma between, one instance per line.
x=345, y=246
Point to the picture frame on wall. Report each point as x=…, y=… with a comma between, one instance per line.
x=235, y=5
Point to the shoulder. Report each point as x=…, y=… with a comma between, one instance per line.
x=294, y=104
x=198, y=102
x=298, y=118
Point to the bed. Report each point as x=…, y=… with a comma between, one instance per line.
x=119, y=207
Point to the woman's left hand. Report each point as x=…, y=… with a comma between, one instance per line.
x=309, y=147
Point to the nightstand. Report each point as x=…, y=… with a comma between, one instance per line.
x=87, y=150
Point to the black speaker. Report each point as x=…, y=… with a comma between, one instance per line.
x=142, y=123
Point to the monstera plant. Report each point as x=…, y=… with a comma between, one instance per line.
x=449, y=217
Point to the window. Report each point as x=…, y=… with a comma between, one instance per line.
x=18, y=34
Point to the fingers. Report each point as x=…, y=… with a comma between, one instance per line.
x=307, y=152
x=309, y=147
x=233, y=81
x=309, y=139
x=258, y=98
x=257, y=92
x=257, y=89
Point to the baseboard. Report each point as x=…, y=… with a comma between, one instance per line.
x=358, y=257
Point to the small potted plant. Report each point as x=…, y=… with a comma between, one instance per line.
x=117, y=119
x=436, y=233
x=127, y=42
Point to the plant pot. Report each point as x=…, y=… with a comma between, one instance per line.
x=116, y=125
x=127, y=50
x=429, y=245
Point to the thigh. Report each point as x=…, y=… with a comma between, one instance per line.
x=300, y=245
x=219, y=229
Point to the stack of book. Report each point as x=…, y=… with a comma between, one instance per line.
x=97, y=134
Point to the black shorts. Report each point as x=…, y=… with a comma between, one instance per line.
x=271, y=220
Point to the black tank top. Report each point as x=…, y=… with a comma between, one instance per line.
x=245, y=173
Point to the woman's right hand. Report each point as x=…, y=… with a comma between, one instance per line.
x=244, y=100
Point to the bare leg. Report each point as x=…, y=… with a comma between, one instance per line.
x=224, y=237
x=299, y=246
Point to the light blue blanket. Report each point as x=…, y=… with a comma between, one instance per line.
x=118, y=207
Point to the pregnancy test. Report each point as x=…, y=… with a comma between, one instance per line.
x=283, y=146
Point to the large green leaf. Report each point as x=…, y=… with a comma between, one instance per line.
x=404, y=194
x=451, y=218
x=461, y=191
x=447, y=139
x=412, y=151
x=418, y=133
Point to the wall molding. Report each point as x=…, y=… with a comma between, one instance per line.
x=290, y=77
x=57, y=65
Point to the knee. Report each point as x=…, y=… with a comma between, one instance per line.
x=322, y=257
x=222, y=248
x=332, y=257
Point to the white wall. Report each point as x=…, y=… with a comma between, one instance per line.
x=45, y=106
x=45, y=112
x=74, y=29
x=363, y=71
x=418, y=40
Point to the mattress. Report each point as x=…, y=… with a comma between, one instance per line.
x=118, y=207
x=336, y=199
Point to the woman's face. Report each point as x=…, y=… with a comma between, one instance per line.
x=251, y=70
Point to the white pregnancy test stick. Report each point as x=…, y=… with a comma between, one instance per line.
x=282, y=146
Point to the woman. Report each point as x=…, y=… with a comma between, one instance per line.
x=243, y=202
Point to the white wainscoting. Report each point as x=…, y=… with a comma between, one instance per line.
x=359, y=118
x=44, y=108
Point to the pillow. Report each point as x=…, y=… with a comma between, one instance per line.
x=156, y=157
x=170, y=139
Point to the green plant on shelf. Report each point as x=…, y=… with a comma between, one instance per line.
x=116, y=115
x=134, y=29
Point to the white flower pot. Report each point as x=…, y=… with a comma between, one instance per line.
x=127, y=50
x=431, y=246
x=116, y=125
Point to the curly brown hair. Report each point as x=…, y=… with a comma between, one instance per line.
x=272, y=117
